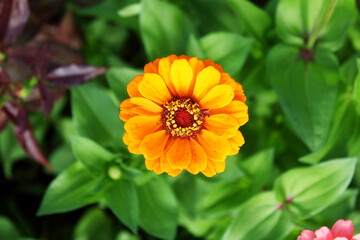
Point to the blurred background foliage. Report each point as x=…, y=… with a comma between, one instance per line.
x=298, y=61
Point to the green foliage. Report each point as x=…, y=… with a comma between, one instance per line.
x=298, y=61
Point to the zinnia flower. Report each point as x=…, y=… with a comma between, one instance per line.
x=341, y=230
x=184, y=113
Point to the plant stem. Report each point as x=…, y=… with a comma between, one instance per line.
x=315, y=33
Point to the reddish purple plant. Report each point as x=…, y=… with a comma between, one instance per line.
x=35, y=73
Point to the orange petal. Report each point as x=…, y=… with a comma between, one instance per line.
x=239, y=92
x=181, y=76
x=227, y=79
x=196, y=65
x=222, y=125
x=152, y=67
x=152, y=146
x=154, y=165
x=198, y=159
x=208, y=62
x=205, y=80
x=236, y=142
x=179, y=154
x=236, y=109
x=132, y=87
x=133, y=146
x=138, y=106
x=164, y=71
x=216, y=147
x=154, y=88
x=214, y=167
x=217, y=97
x=139, y=126
x=174, y=172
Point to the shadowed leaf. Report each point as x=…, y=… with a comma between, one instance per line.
x=13, y=17
x=24, y=133
x=73, y=75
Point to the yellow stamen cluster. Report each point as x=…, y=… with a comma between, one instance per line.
x=182, y=118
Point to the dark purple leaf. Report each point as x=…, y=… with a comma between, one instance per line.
x=25, y=54
x=24, y=133
x=47, y=97
x=30, y=145
x=3, y=120
x=4, y=78
x=73, y=75
x=17, y=114
x=5, y=12
x=42, y=60
x=19, y=15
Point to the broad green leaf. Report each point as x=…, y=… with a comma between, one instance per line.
x=297, y=20
x=94, y=225
x=194, y=48
x=8, y=229
x=130, y=10
x=259, y=167
x=93, y=156
x=309, y=190
x=122, y=199
x=306, y=90
x=230, y=50
x=260, y=218
x=252, y=19
x=349, y=70
x=164, y=28
x=118, y=79
x=357, y=84
x=71, y=189
x=10, y=150
x=62, y=158
x=158, y=208
x=96, y=115
x=340, y=208
x=186, y=190
x=345, y=128
x=225, y=196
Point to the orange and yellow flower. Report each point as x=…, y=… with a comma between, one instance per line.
x=184, y=114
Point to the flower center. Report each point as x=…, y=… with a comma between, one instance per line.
x=183, y=118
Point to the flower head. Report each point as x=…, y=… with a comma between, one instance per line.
x=341, y=230
x=184, y=114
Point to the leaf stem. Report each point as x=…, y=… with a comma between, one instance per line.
x=315, y=33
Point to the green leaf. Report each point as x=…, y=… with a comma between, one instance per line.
x=122, y=199
x=340, y=208
x=252, y=19
x=158, y=208
x=194, y=48
x=164, y=28
x=62, y=158
x=259, y=167
x=8, y=230
x=259, y=218
x=309, y=190
x=357, y=85
x=93, y=156
x=225, y=196
x=297, y=20
x=10, y=150
x=306, y=90
x=186, y=190
x=118, y=79
x=345, y=128
x=71, y=189
x=94, y=225
x=96, y=115
x=230, y=50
